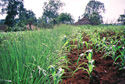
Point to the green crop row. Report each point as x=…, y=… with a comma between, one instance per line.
x=109, y=40
x=32, y=57
x=37, y=57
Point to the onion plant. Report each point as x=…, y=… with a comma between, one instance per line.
x=25, y=56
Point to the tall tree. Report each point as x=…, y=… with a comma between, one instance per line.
x=11, y=7
x=65, y=18
x=27, y=17
x=94, y=10
x=31, y=19
x=94, y=6
x=51, y=9
x=95, y=18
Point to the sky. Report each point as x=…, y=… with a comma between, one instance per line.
x=76, y=8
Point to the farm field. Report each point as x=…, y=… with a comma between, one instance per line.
x=96, y=56
x=65, y=54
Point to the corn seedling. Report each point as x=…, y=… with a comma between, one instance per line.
x=64, y=38
x=122, y=56
x=87, y=45
x=74, y=41
x=90, y=64
x=56, y=74
x=80, y=56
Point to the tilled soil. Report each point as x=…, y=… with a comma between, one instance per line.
x=105, y=72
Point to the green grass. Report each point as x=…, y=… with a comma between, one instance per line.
x=26, y=56
x=29, y=57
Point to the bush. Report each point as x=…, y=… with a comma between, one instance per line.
x=16, y=28
x=64, y=18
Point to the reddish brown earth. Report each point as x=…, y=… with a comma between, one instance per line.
x=104, y=72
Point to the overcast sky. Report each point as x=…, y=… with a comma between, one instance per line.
x=77, y=7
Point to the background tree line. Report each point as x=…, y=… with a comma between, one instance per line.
x=13, y=9
x=50, y=16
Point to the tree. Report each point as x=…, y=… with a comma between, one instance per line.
x=51, y=9
x=94, y=9
x=27, y=17
x=95, y=19
x=94, y=6
x=31, y=19
x=41, y=22
x=122, y=19
x=11, y=7
x=65, y=18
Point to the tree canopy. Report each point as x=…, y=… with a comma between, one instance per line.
x=95, y=18
x=11, y=7
x=27, y=17
x=94, y=6
x=51, y=9
x=93, y=11
x=65, y=18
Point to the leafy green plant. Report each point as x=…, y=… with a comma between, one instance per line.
x=87, y=45
x=56, y=74
x=80, y=56
x=111, y=50
x=90, y=64
x=22, y=52
x=122, y=56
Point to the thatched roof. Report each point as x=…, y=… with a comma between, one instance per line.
x=83, y=21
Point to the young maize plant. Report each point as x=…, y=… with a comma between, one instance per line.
x=87, y=45
x=122, y=56
x=56, y=74
x=90, y=64
x=80, y=56
x=111, y=50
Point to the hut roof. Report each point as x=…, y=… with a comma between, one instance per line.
x=83, y=21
